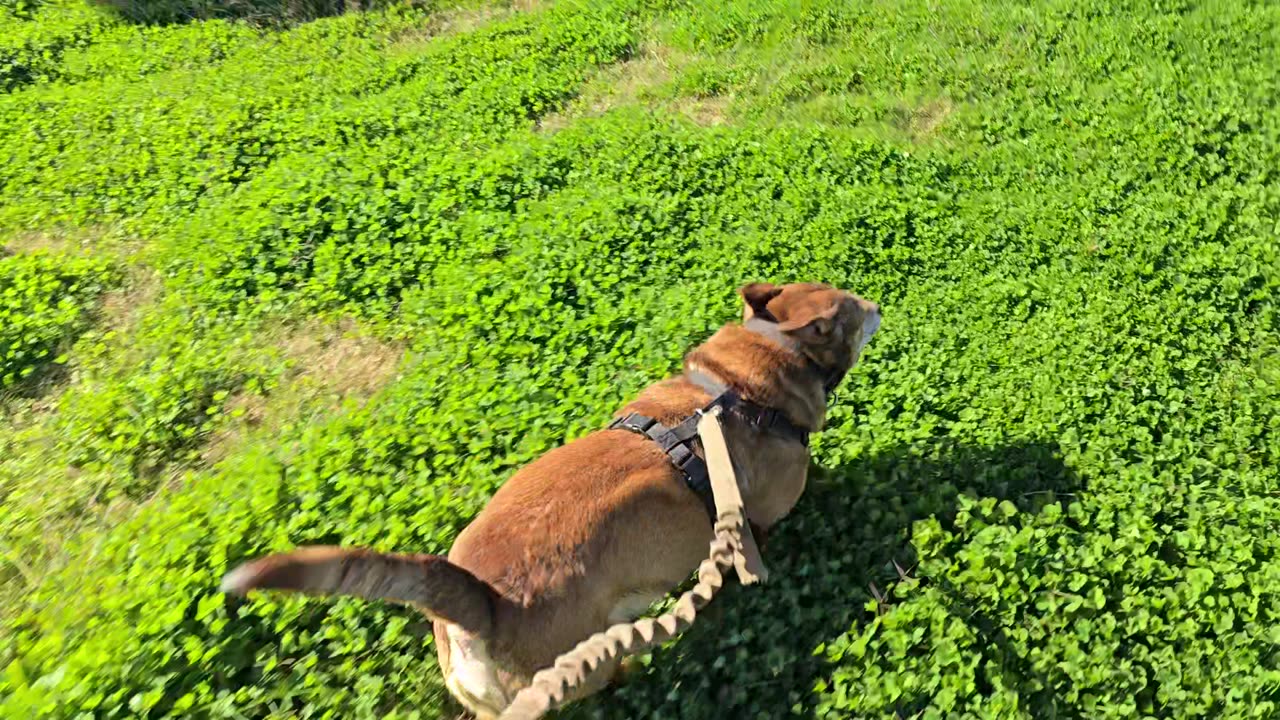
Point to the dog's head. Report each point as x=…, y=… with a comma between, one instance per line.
x=830, y=326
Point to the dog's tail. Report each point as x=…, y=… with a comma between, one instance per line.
x=439, y=588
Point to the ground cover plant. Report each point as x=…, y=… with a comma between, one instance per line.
x=332, y=280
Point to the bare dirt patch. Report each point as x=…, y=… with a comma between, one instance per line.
x=921, y=121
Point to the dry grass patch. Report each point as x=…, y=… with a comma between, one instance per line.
x=924, y=121
x=329, y=363
x=459, y=20
x=709, y=112
x=122, y=308
x=32, y=241
x=107, y=240
x=646, y=79
x=468, y=19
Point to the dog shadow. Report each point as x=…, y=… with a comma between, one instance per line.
x=751, y=654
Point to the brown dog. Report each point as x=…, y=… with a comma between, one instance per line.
x=595, y=531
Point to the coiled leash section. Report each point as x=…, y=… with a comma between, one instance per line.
x=732, y=547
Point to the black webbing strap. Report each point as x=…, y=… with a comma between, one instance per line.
x=759, y=417
x=678, y=442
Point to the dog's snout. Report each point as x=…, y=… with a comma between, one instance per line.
x=871, y=317
x=869, y=308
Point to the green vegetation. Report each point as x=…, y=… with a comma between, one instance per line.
x=1050, y=490
x=43, y=304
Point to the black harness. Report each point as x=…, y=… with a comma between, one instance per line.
x=678, y=442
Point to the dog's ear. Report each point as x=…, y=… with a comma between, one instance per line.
x=812, y=324
x=757, y=295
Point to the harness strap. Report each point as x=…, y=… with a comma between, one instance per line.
x=763, y=419
x=679, y=442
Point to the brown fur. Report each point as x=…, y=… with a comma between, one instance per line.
x=593, y=531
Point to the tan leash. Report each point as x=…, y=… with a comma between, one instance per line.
x=733, y=546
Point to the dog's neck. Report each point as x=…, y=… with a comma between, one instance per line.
x=765, y=367
x=830, y=377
